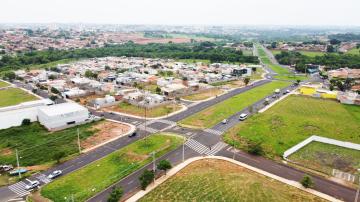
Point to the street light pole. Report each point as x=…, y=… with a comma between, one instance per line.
x=18, y=163
x=154, y=167
x=183, y=151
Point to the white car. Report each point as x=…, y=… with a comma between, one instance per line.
x=32, y=184
x=55, y=174
x=224, y=121
x=243, y=116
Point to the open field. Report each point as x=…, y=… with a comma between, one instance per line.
x=307, y=53
x=38, y=146
x=100, y=174
x=218, y=180
x=3, y=84
x=216, y=113
x=325, y=157
x=192, y=61
x=203, y=95
x=14, y=96
x=127, y=108
x=293, y=120
x=354, y=51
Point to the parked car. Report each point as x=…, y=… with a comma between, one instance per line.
x=243, y=116
x=133, y=134
x=17, y=171
x=287, y=91
x=224, y=121
x=274, y=96
x=6, y=168
x=32, y=184
x=55, y=174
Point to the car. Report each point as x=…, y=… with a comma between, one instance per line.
x=32, y=184
x=224, y=121
x=6, y=168
x=55, y=174
x=243, y=116
x=274, y=96
x=133, y=134
x=287, y=91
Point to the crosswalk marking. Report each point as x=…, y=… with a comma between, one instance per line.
x=188, y=133
x=166, y=121
x=216, y=148
x=148, y=129
x=19, y=189
x=196, y=146
x=16, y=200
x=43, y=178
x=212, y=131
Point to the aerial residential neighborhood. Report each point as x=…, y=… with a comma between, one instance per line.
x=193, y=101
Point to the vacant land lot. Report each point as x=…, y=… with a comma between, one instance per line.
x=214, y=114
x=217, y=180
x=204, y=95
x=100, y=174
x=14, y=96
x=3, y=84
x=294, y=119
x=325, y=157
x=38, y=146
x=307, y=53
x=354, y=51
x=127, y=108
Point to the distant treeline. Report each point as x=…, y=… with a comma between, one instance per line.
x=204, y=50
x=331, y=60
x=345, y=37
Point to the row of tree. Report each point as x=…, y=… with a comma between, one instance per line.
x=205, y=50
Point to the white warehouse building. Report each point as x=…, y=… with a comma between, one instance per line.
x=63, y=115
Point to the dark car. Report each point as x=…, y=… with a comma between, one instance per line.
x=132, y=134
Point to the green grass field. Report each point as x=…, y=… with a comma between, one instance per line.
x=354, y=51
x=294, y=119
x=164, y=110
x=307, y=53
x=100, y=174
x=216, y=113
x=217, y=180
x=193, y=61
x=38, y=146
x=3, y=84
x=14, y=96
x=325, y=157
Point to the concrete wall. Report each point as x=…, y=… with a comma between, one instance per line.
x=55, y=122
x=15, y=117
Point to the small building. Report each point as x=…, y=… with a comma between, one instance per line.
x=63, y=115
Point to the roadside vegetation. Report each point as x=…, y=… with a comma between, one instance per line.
x=158, y=111
x=218, y=180
x=96, y=176
x=293, y=120
x=216, y=113
x=325, y=157
x=14, y=96
x=203, y=95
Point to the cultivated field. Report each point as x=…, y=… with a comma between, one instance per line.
x=325, y=157
x=203, y=95
x=294, y=119
x=100, y=174
x=216, y=113
x=127, y=108
x=217, y=180
x=14, y=96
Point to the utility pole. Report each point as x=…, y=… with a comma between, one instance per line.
x=78, y=138
x=358, y=190
x=18, y=163
x=154, y=167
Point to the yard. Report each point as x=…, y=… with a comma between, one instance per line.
x=3, y=84
x=14, y=96
x=127, y=108
x=294, y=119
x=216, y=113
x=95, y=177
x=218, y=180
x=204, y=95
x=325, y=157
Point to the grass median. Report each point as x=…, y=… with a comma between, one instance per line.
x=95, y=177
x=293, y=120
x=218, y=180
x=216, y=113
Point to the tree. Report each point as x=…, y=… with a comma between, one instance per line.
x=52, y=77
x=53, y=97
x=246, y=81
x=254, y=69
x=307, y=181
x=158, y=90
x=54, y=90
x=89, y=74
x=58, y=156
x=107, y=67
x=9, y=76
x=25, y=122
x=340, y=85
x=146, y=178
x=330, y=49
x=298, y=81
x=273, y=44
x=116, y=194
x=335, y=42
x=331, y=87
x=164, y=165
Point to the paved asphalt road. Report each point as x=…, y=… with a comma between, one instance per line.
x=204, y=143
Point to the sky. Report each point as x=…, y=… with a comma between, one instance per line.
x=183, y=12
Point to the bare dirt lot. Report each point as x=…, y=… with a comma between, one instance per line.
x=107, y=130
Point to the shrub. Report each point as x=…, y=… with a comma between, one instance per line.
x=255, y=148
x=25, y=122
x=146, y=178
x=115, y=194
x=307, y=181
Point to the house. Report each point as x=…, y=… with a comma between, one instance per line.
x=344, y=73
x=315, y=90
x=349, y=98
x=74, y=93
x=63, y=115
x=174, y=89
